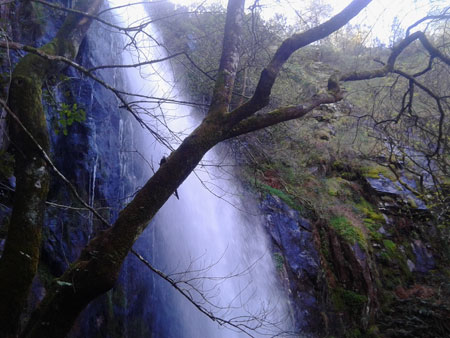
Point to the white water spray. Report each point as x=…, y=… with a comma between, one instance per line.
x=218, y=253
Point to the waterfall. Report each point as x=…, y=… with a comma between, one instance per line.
x=92, y=180
x=204, y=238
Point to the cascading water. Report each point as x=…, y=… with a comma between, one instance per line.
x=218, y=253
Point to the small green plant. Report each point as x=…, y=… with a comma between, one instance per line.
x=278, y=260
x=67, y=115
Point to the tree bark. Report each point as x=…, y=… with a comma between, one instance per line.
x=19, y=261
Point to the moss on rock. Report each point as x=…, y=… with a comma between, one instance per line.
x=348, y=301
x=347, y=231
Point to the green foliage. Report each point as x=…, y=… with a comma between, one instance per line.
x=347, y=231
x=68, y=115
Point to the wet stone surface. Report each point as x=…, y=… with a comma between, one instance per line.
x=292, y=237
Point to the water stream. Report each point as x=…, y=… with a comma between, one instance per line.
x=217, y=252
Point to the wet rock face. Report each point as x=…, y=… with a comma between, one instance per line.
x=385, y=186
x=89, y=156
x=98, y=157
x=424, y=258
x=292, y=238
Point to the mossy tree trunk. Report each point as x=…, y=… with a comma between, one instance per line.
x=97, y=268
x=18, y=264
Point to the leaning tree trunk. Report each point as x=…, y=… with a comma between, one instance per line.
x=18, y=264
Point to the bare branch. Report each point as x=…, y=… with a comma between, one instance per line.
x=249, y=324
x=441, y=16
x=283, y=114
x=263, y=90
x=396, y=51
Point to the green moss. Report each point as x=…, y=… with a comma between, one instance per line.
x=349, y=175
x=368, y=210
x=376, y=216
x=370, y=224
x=372, y=219
x=347, y=231
x=391, y=252
x=412, y=203
x=348, y=301
x=332, y=191
x=374, y=171
x=390, y=246
x=373, y=229
x=335, y=186
x=281, y=194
